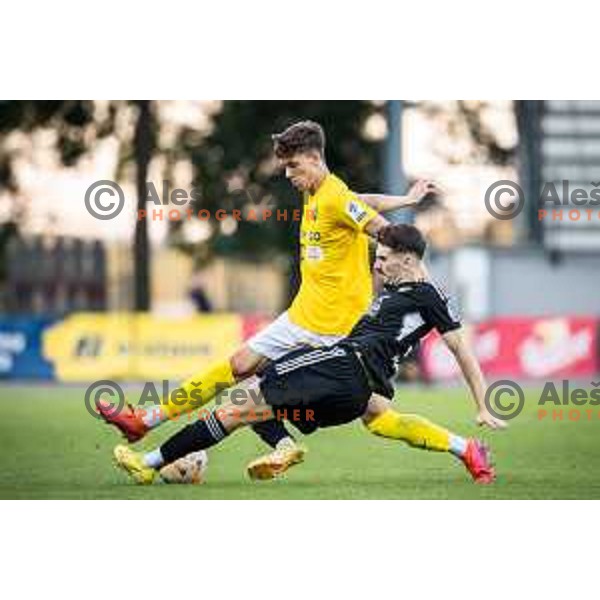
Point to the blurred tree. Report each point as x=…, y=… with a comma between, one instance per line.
x=474, y=131
x=78, y=125
x=72, y=120
x=234, y=167
x=485, y=138
x=69, y=118
x=233, y=162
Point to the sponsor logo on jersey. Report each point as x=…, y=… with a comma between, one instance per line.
x=314, y=253
x=356, y=212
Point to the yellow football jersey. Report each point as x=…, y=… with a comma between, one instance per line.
x=336, y=280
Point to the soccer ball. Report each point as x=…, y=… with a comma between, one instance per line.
x=189, y=469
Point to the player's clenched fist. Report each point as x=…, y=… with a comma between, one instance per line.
x=421, y=188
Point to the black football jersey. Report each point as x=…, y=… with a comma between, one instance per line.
x=396, y=321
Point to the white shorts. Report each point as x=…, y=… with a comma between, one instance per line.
x=283, y=336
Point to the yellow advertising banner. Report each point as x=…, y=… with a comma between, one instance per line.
x=138, y=346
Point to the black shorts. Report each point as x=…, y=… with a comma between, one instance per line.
x=314, y=388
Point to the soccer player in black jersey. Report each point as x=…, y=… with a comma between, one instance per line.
x=324, y=387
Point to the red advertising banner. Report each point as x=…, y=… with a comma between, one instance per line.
x=521, y=347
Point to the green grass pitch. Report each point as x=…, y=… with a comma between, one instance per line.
x=52, y=448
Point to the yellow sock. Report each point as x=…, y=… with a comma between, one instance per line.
x=412, y=429
x=201, y=388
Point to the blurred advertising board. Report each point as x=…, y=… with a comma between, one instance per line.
x=20, y=348
x=127, y=346
x=86, y=346
x=89, y=346
x=533, y=348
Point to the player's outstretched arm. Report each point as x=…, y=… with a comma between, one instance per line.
x=374, y=227
x=385, y=203
x=469, y=365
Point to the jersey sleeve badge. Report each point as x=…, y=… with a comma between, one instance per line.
x=356, y=212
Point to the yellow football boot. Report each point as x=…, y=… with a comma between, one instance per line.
x=131, y=462
x=276, y=463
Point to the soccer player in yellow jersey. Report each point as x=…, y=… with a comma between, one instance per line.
x=336, y=287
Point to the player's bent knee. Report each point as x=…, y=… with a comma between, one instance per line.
x=244, y=363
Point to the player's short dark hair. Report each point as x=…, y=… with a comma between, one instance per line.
x=403, y=238
x=299, y=137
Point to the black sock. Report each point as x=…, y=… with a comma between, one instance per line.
x=200, y=435
x=271, y=432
